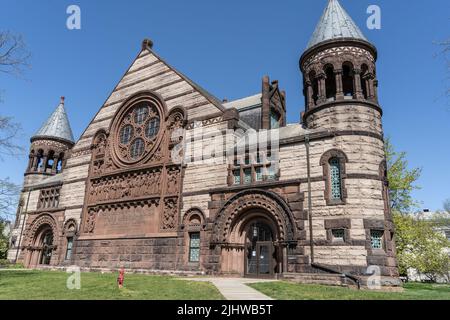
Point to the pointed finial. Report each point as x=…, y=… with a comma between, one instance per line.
x=147, y=43
x=62, y=100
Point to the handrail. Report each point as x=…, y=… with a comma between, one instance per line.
x=346, y=275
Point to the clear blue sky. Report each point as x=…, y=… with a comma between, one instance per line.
x=227, y=46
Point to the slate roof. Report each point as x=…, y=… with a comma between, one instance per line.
x=335, y=23
x=56, y=126
x=246, y=102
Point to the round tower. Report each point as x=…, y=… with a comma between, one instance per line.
x=50, y=146
x=339, y=73
x=340, y=89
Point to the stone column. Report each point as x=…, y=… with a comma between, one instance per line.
x=55, y=163
x=375, y=90
x=369, y=86
x=30, y=163
x=321, y=86
x=339, y=86
x=309, y=95
x=357, y=84
x=44, y=163
x=35, y=163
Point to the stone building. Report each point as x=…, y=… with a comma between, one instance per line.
x=167, y=177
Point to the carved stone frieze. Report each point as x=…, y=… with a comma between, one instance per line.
x=169, y=218
x=128, y=185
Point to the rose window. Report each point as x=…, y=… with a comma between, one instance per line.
x=138, y=129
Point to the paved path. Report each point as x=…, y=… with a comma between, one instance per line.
x=236, y=288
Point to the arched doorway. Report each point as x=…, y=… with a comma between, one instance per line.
x=252, y=233
x=260, y=258
x=42, y=247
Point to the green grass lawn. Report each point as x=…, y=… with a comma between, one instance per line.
x=291, y=291
x=48, y=285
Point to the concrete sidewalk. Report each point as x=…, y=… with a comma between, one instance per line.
x=236, y=288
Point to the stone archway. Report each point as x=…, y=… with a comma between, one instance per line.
x=242, y=250
x=41, y=242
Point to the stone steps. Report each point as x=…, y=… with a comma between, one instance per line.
x=318, y=278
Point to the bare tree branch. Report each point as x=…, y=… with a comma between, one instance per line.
x=14, y=58
x=8, y=199
x=14, y=55
x=8, y=132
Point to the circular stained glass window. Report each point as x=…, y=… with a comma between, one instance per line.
x=140, y=114
x=137, y=130
x=152, y=128
x=125, y=134
x=137, y=148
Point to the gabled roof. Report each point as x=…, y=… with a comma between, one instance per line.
x=148, y=45
x=57, y=125
x=335, y=23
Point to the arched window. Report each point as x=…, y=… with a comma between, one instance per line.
x=330, y=83
x=59, y=165
x=315, y=87
x=364, y=87
x=193, y=227
x=335, y=177
x=39, y=160
x=385, y=189
x=347, y=80
x=47, y=243
x=50, y=161
x=333, y=163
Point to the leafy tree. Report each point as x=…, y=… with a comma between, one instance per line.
x=420, y=247
x=401, y=179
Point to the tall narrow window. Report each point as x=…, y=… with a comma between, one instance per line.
x=259, y=174
x=330, y=83
x=194, y=247
x=69, y=248
x=335, y=176
x=347, y=81
x=376, y=239
x=237, y=176
x=315, y=87
x=364, y=71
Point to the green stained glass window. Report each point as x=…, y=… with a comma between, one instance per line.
x=376, y=239
x=237, y=176
x=69, y=248
x=338, y=234
x=194, y=247
x=335, y=175
x=259, y=175
x=271, y=172
x=248, y=175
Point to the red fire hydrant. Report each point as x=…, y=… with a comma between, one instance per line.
x=120, y=278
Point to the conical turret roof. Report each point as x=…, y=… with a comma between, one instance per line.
x=335, y=23
x=57, y=125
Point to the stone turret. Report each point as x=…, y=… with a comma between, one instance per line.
x=339, y=73
x=50, y=146
x=340, y=88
